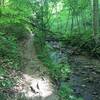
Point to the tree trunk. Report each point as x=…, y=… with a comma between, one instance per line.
x=95, y=18
x=1, y=5
x=95, y=23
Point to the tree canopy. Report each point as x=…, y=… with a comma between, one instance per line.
x=66, y=24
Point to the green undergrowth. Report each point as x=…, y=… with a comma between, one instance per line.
x=10, y=55
x=84, y=42
x=9, y=60
x=66, y=93
x=17, y=30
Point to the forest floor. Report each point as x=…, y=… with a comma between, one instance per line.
x=33, y=82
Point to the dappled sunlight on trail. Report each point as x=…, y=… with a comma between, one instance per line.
x=34, y=81
x=36, y=86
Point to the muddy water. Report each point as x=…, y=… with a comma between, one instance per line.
x=85, y=78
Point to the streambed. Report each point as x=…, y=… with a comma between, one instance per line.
x=85, y=76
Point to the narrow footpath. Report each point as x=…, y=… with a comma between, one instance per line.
x=34, y=83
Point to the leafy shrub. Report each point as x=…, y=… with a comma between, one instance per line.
x=9, y=49
x=60, y=71
x=9, y=59
x=66, y=93
x=19, y=31
x=84, y=42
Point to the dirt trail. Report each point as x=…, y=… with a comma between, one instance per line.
x=35, y=83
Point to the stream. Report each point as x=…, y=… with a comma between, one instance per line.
x=85, y=77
